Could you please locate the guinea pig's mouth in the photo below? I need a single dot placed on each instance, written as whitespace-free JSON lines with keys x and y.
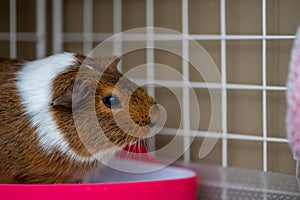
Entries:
{"x":139,"y":131}
{"x":131,"y":136}
{"x":139,"y":125}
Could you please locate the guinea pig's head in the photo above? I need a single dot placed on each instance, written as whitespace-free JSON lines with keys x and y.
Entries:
{"x":97,"y":108}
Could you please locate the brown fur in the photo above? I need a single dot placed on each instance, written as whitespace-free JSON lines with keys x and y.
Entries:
{"x":7,"y":69}
{"x":24,"y":161}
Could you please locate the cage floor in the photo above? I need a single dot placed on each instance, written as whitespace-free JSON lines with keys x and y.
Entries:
{"x":216,"y":182}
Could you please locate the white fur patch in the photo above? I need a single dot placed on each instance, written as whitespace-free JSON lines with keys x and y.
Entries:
{"x":34,"y":85}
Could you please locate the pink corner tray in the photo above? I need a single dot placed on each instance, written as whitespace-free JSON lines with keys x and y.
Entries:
{"x":166,"y":183}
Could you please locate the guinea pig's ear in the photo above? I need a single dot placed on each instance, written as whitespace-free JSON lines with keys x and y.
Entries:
{"x":70,"y":97}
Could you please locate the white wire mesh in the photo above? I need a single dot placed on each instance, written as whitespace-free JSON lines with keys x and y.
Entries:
{"x":88,"y":37}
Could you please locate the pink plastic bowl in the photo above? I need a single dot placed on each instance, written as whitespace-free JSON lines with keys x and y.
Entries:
{"x":167,"y":183}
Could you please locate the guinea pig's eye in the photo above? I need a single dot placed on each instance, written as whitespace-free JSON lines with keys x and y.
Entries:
{"x":111,"y":101}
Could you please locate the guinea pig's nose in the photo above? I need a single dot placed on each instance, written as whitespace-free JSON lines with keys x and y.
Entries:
{"x":154,"y":115}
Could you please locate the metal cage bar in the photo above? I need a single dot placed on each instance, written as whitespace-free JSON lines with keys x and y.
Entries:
{"x":87,"y":26}
{"x":224,"y":82}
{"x":41,"y":28}
{"x":13,"y":28}
{"x":185,"y":90}
{"x":264,"y":92}
{"x":57,"y":26}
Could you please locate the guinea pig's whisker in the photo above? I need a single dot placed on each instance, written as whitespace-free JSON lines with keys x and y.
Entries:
{"x":128,"y":155}
{"x":140,"y":150}
{"x":148,"y":144}
{"x":144,"y":143}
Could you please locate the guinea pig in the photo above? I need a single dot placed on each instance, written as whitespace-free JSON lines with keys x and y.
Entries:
{"x":48,"y":133}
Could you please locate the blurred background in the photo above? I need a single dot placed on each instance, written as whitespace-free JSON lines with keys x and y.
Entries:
{"x":249,"y":41}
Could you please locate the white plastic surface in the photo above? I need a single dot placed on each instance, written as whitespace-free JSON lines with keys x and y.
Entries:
{"x":154,"y":173}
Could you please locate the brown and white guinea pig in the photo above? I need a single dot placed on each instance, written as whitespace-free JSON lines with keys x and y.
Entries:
{"x":47,"y":132}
